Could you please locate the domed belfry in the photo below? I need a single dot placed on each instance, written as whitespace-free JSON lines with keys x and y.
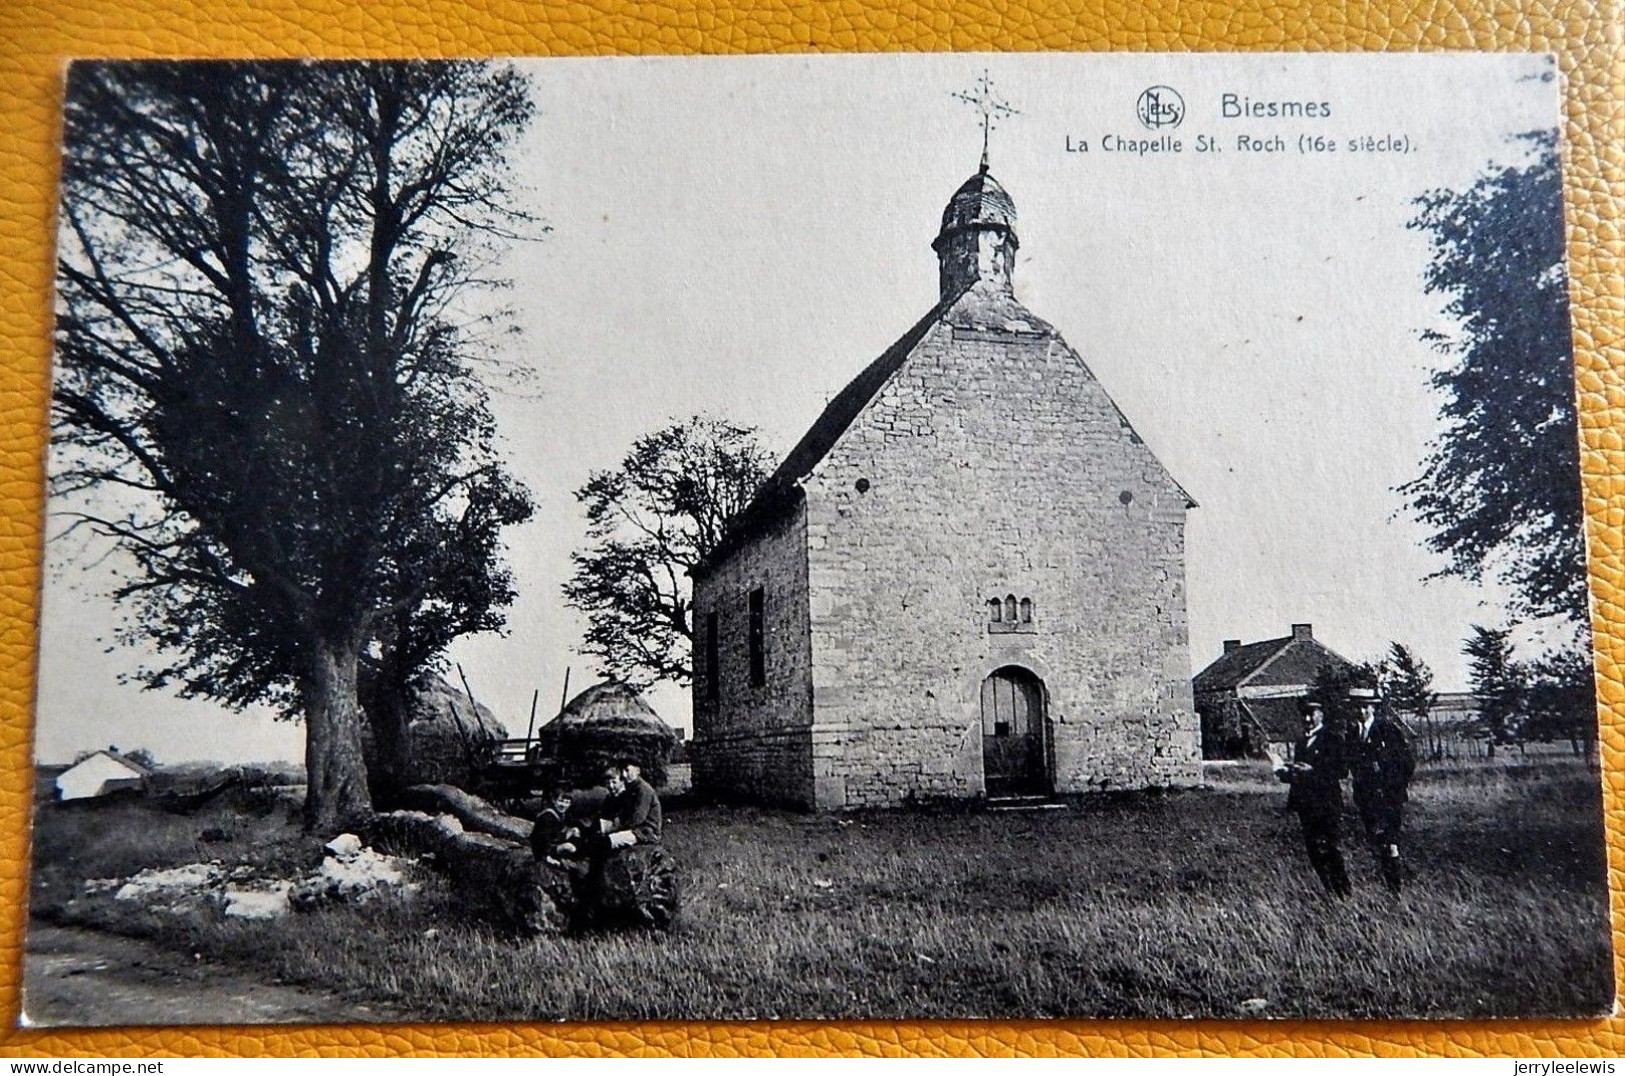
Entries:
{"x":978,"y":238}
{"x":967,"y":580}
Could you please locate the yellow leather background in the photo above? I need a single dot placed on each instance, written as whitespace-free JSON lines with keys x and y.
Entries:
{"x":37,"y":36}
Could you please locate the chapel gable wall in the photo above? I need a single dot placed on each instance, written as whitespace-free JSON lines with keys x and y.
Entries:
{"x":993,"y":464}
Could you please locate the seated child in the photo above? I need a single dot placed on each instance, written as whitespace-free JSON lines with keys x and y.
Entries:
{"x":555,"y":839}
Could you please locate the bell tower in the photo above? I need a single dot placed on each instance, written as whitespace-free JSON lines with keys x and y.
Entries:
{"x":978,"y":241}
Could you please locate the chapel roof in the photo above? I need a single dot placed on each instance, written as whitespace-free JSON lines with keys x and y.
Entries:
{"x":980,"y":201}
{"x":843,"y":410}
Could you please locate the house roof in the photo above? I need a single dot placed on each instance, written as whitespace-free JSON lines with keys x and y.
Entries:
{"x":1298,"y":663}
{"x":1290,"y":660}
{"x":1236,"y":665}
{"x":134,"y":767}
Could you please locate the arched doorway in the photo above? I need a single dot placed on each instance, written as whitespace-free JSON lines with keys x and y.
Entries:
{"x":1015,"y":748}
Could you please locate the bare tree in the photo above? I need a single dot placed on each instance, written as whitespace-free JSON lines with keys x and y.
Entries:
{"x":266,"y":397}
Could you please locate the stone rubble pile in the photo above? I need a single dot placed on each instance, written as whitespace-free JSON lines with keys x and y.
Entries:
{"x":351,"y":873}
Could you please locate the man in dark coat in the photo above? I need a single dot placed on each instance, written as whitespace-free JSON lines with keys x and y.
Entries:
{"x":1382,"y":762}
{"x":1316,"y":776}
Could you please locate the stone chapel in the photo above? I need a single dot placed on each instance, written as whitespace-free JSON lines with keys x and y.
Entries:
{"x":966,"y":580}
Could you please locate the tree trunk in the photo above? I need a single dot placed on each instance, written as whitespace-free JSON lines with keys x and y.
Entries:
{"x":387,"y":713}
{"x":473,"y":812}
{"x":337,"y":795}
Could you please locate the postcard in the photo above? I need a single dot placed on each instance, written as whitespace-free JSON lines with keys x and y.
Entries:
{"x":825,"y":537}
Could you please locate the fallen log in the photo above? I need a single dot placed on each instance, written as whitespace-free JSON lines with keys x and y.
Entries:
{"x":473,"y":812}
{"x":176,"y":802}
{"x":495,"y":879}
{"x":639,"y":887}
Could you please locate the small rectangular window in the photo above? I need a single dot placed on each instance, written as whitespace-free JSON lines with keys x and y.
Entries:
{"x":758,"y":638}
{"x":711,"y":658}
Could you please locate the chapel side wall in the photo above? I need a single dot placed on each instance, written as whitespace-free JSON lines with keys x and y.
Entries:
{"x":995,"y":465}
{"x":753,"y":742}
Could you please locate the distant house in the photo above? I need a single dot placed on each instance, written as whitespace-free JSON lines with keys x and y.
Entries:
{"x":99,"y":774}
{"x":1248,"y":699}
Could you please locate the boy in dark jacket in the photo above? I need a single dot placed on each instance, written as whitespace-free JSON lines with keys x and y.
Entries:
{"x":555,"y":838}
{"x":631,"y":814}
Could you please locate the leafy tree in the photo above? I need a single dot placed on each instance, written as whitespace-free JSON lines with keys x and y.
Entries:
{"x":1500,"y":487}
{"x":1561,"y":699}
{"x":1407,"y":686}
{"x":649,"y":522}
{"x":1498,"y":682}
{"x":266,"y":399}
{"x":1331,"y":688}
{"x":464,"y":588}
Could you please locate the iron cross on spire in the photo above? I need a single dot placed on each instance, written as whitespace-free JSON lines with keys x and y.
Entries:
{"x":987,"y":102}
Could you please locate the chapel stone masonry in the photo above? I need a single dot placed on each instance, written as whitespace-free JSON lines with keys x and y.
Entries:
{"x":966,"y":580}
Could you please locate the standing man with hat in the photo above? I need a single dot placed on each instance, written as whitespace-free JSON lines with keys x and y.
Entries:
{"x":1382,"y":763}
{"x":1316,"y":777}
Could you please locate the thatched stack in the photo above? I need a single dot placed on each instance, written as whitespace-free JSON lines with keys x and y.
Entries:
{"x":452,"y":736}
{"x":604,"y":722}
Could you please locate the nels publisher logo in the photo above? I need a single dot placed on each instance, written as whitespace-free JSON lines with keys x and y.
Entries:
{"x":1160,"y":107}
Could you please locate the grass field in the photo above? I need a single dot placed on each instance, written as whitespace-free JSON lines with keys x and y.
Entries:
{"x":1195,"y":903}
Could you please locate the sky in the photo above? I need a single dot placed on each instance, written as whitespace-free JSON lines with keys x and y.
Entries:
{"x":740,"y":236}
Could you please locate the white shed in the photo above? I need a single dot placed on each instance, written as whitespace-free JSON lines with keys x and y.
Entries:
{"x":97,"y":775}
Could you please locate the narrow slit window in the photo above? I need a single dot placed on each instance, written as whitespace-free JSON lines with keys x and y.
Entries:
{"x":758,"y":637}
{"x":712,"y":660}
{"x":1010,"y":615}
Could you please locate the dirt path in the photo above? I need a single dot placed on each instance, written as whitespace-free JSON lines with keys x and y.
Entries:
{"x":84,"y":978}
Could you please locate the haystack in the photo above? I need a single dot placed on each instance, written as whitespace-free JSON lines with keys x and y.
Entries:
{"x":451,"y":737}
{"x":603,"y":722}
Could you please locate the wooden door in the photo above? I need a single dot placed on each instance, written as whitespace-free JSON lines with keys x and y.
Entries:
{"x":1014,"y":751}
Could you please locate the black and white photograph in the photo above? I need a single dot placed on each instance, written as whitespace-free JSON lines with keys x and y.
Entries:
{"x":891,"y":537}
